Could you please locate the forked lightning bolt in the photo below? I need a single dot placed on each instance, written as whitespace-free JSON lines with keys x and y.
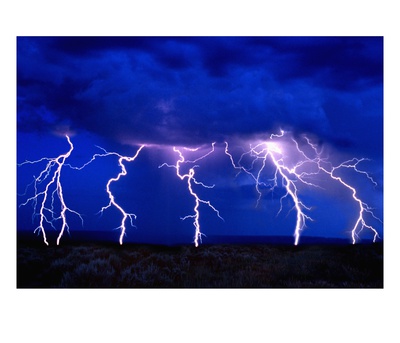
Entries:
{"x":330,"y":170}
{"x":190,"y":181}
{"x":52,"y":190}
{"x":288,"y":176}
{"x":112,"y":202}
{"x":305,"y":169}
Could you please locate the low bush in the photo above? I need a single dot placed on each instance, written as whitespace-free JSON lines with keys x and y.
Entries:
{"x":218,"y":266}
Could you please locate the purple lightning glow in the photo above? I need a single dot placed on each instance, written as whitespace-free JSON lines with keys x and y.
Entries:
{"x":306,"y":168}
{"x":272,"y":150}
{"x":190,"y":181}
{"x":52,"y":190}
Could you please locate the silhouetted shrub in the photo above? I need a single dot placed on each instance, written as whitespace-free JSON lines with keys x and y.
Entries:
{"x":218,"y":266}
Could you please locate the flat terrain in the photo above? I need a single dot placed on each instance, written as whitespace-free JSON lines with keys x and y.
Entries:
{"x":109,"y":265}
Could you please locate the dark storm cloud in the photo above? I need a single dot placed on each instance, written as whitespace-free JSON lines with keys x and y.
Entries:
{"x":174,"y":90}
{"x":344,"y":63}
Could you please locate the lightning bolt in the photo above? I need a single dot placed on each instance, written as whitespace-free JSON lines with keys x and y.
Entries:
{"x":271,"y":150}
{"x":191,"y":180}
{"x":52,"y":190}
{"x":331,"y":171}
{"x":112,"y":202}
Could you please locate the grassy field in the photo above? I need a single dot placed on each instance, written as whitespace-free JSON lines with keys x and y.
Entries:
{"x":102,"y":265}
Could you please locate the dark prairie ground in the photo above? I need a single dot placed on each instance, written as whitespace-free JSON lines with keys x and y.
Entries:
{"x":102,"y":265}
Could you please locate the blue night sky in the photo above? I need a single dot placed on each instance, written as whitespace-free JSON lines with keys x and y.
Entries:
{"x":118,"y":93}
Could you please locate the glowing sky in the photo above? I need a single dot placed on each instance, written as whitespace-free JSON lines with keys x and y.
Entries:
{"x":119,"y":92}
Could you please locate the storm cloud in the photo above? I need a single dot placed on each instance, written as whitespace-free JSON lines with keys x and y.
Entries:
{"x":192,"y":90}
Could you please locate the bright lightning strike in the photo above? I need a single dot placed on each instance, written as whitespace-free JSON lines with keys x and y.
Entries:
{"x":289,"y":176}
{"x":273,"y":152}
{"x":191,"y":180}
{"x":330,"y":170}
{"x":53,"y":190}
{"x":112,"y":201}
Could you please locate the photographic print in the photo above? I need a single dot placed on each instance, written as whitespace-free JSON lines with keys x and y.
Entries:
{"x":200,"y":162}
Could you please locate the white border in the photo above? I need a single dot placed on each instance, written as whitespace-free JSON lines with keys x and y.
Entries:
{"x":195,"y":315}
